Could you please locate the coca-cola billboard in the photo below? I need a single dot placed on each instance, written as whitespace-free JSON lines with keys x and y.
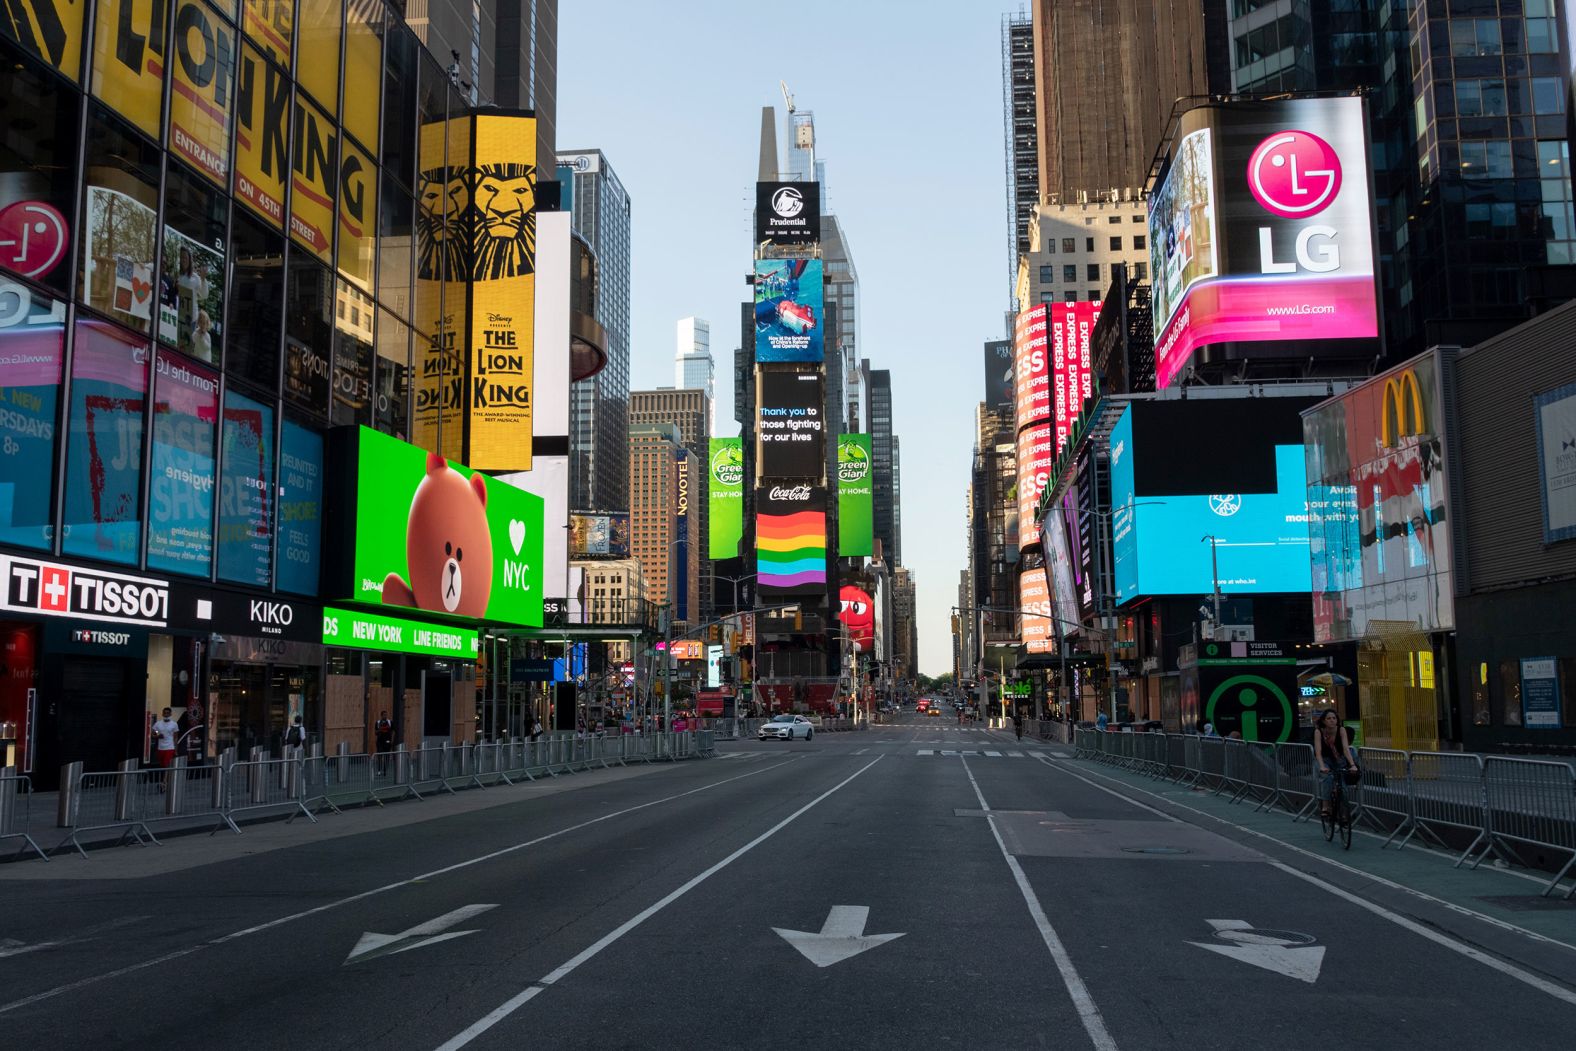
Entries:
{"x":790,"y":539}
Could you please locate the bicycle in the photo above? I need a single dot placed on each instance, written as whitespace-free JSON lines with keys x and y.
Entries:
{"x":1338,"y":818}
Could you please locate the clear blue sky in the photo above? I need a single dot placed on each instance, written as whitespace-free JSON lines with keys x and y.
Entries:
{"x":907,"y":103}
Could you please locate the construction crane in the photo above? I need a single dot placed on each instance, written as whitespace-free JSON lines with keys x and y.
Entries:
{"x":787,"y":95}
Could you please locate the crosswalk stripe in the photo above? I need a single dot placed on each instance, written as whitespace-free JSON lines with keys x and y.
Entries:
{"x":925,"y":751}
{"x":996,"y":754}
{"x":1016,"y":755}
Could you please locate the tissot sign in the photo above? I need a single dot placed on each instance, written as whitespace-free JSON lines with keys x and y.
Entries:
{"x":55,"y":590}
{"x":1261,"y":233}
{"x":787,"y":213}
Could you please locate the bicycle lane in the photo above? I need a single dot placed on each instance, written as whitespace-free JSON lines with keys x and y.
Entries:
{"x":904,"y":845}
{"x":1190,"y":938}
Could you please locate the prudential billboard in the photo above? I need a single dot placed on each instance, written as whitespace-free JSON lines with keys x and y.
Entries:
{"x":1262,"y":232}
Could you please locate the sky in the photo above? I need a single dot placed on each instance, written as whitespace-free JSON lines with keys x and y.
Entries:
{"x":908,"y":113}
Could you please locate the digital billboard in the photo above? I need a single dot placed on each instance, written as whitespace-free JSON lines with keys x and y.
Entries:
{"x":1037,"y":631}
{"x":998,"y":373}
{"x":1261,"y":232}
{"x":790,"y":435}
{"x":434,"y":535}
{"x":1376,"y":503}
{"x":790,"y":540}
{"x":787,"y":213}
{"x":855,"y":497}
{"x":1036,"y":459}
{"x":599,"y":534}
{"x":856,"y":612}
{"x":788,"y":310}
{"x":725,"y":498}
{"x":1239,"y":478}
{"x":1031,"y":366}
{"x":1071,"y":377}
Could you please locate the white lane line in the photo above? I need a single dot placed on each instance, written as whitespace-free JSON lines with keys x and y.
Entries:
{"x":530,"y":992}
{"x":861,"y":751}
{"x":80,"y":983}
{"x":994,"y":755}
{"x":1509,"y":969}
{"x":1083,"y":1002}
{"x":1460,"y":910}
{"x":926,"y":751}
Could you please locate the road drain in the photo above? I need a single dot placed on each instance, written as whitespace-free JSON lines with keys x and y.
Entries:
{"x":1156,"y":850}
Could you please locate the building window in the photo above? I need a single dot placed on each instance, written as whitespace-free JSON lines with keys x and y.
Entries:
{"x":1069,"y":272}
{"x":1093,"y":270}
{"x":1050,"y":246}
{"x":1141,"y":271}
{"x":1070,"y":296}
{"x":1069,"y":246}
{"x":1470,"y":37}
{"x":1116,"y":244}
{"x":1088,"y":244}
{"x":1542,"y":38}
{"x":1138,"y":242}
{"x":1113,"y":219}
{"x":1559,"y":224}
{"x":1116,"y":271}
{"x":1093,"y":295}
{"x":1485,"y":160}
{"x":1548,"y":95}
{"x":1481,"y":98}
{"x":1047,"y":274}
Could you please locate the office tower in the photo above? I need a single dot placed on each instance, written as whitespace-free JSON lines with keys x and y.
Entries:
{"x":599,"y":406}
{"x":693,"y":367}
{"x":905,"y":630}
{"x":1076,"y":247}
{"x":881,"y":450}
{"x":1471,"y":156}
{"x":1018,"y":120}
{"x":665,"y":533}
{"x":689,"y":412}
{"x":1106,"y":76}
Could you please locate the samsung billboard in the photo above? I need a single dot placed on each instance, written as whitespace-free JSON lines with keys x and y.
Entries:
{"x":1238,"y":478}
{"x":1261,"y":232}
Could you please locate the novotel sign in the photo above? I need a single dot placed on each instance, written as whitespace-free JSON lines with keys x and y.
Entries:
{"x":372,"y":631}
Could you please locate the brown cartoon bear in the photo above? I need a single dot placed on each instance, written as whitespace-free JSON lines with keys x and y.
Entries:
{"x":447,"y":545}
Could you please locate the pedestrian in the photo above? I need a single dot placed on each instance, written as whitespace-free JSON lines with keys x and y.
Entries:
{"x":1017,"y":722}
{"x":164,"y":731}
{"x":383,"y":731}
{"x":295,"y":737}
{"x":1209,"y":730}
{"x":1100,"y":722}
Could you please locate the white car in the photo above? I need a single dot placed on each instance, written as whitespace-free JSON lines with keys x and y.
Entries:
{"x":785,"y":728}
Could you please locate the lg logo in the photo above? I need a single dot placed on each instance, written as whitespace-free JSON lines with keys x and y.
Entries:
{"x":1294,"y":174}
{"x":787,"y":202}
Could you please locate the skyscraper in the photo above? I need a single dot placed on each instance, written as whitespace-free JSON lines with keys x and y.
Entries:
{"x":1471,"y":149}
{"x":1107,"y":75}
{"x":664,"y":541}
{"x":693,"y":367}
{"x":882,"y":453}
{"x":599,"y":407}
{"x":1018,"y":92}
{"x":689,"y":412}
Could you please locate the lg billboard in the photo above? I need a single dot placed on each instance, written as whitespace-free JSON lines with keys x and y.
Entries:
{"x":1261,"y":233}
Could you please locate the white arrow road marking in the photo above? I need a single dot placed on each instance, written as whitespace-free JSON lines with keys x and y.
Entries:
{"x":842,"y":936}
{"x":13,"y":947}
{"x":1271,"y":950}
{"x":430,"y":933}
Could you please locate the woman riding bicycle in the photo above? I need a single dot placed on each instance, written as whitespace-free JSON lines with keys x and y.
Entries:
{"x":1332,"y":754}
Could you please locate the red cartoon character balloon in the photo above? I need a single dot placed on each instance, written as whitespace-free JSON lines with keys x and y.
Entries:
{"x":859,"y":614}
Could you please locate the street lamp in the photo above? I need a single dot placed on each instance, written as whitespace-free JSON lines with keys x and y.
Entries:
{"x":1214,"y":573}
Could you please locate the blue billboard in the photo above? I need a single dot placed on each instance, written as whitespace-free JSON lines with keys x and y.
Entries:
{"x":1158,"y":545}
{"x":788,"y":310}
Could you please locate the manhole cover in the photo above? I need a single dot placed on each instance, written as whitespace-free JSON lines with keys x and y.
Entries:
{"x":1156,"y":850}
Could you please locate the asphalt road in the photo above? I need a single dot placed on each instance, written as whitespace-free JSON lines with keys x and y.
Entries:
{"x":1036,"y":903}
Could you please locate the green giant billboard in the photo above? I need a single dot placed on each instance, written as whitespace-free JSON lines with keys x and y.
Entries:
{"x":726,"y":498}
{"x":434,"y":535}
{"x":855,"y":496}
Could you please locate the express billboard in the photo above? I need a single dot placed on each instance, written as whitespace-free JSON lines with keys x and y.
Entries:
{"x":1036,"y":458}
{"x":1261,"y":232}
{"x":790,"y":434}
{"x":788,"y":310}
{"x":1031,"y":366}
{"x":1239,"y":478}
{"x":1071,"y":378}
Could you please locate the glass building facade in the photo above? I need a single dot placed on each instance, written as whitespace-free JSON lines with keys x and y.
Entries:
{"x":225,"y":228}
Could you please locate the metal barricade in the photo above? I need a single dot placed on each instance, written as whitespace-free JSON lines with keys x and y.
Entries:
{"x":1296,"y":785}
{"x":1176,"y":757}
{"x":16,"y":801}
{"x":107,"y":800}
{"x":1385,"y":792}
{"x":1533,"y":804}
{"x":1233,"y":767}
{"x":429,"y":770}
{"x":268,"y":784}
{"x":1083,"y":747}
{"x":1192,"y":760}
{"x":1258,"y":772}
{"x":1212,"y":762}
{"x":1447,"y":798}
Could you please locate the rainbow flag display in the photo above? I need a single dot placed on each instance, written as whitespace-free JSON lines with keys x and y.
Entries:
{"x":791,"y":549}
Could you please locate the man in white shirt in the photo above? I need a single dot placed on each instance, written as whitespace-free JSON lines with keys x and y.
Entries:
{"x":165,"y":730}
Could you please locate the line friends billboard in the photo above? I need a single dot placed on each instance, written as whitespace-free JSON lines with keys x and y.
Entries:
{"x":1262,"y":231}
{"x":788,"y":310}
{"x":434,"y":535}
